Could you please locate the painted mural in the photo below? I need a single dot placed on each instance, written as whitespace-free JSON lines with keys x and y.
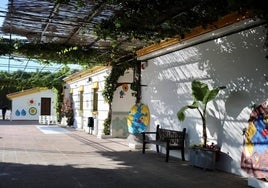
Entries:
{"x":138,"y":118}
{"x":31,"y":110}
{"x":254,"y":159}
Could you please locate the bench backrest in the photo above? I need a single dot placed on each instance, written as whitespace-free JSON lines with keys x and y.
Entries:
{"x":175,"y":137}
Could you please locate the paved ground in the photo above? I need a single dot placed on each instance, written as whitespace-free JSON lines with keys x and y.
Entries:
{"x":35,"y":156}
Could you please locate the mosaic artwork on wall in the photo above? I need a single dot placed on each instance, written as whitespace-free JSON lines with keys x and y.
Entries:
{"x":254,"y":159}
{"x":138,"y":118}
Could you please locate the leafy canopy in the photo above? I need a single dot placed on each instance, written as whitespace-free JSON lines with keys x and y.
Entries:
{"x":143,"y":20}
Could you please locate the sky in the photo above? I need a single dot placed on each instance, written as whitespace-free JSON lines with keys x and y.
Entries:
{"x":3,"y":7}
{"x":17,"y":63}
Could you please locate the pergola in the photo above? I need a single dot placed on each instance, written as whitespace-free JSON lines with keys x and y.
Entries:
{"x":46,"y":22}
{"x":72,"y":24}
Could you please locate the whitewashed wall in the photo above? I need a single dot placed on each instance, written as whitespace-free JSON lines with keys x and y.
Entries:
{"x":123,"y":100}
{"x":22,"y":104}
{"x":81,"y":119}
{"x":236,"y":61}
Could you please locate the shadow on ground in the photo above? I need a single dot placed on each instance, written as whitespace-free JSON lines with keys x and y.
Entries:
{"x":132,"y":169}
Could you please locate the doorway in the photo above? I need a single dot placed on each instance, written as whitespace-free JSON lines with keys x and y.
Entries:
{"x":45,"y":106}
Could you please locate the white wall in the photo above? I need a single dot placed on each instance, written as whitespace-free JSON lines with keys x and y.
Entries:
{"x":22,"y":104}
{"x":123,"y":100}
{"x":120,"y":106}
{"x":127,"y":100}
{"x":81,"y":118}
{"x":236,"y":61}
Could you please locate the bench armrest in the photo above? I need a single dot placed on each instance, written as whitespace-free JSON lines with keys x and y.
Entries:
{"x":145,"y":133}
{"x":148,"y":133}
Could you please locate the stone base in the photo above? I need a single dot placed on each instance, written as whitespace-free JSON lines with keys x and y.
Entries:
{"x":135,"y":141}
{"x":203,"y":158}
{"x":253,"y":182}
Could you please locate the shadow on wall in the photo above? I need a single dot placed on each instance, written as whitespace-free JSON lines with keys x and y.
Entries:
{"x":163,"y":98}
{"x":236,"y":102}
{"x":239,"y":62}
{"x":215,"y":129}
{"x":236,"y":61}
{"x":226,"y":166}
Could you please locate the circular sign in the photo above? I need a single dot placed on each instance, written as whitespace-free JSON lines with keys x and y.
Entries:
{"x":32,"y":111}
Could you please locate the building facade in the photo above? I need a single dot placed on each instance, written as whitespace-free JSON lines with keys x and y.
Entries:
{"x":32,"y":103}
{"x":83,"y":91}
{"x":233,"y":56}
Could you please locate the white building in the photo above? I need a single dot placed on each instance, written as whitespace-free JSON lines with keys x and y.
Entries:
{"x":31,"y":103}
{"x":84,"y":91}
{"x":232,"y":55}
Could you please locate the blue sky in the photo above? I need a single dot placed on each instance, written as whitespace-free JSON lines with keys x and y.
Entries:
{"x":10,"y":65}
{"x":3,"y":7}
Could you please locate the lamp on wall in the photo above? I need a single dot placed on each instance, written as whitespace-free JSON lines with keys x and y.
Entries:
{"x":89,"y":79}
{"x":144,"y":65}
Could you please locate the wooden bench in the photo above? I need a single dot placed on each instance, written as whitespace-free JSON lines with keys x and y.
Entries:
{"x":170,"y":139}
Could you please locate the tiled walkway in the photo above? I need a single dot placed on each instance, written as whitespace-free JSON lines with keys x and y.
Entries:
{"x":35,"y":157}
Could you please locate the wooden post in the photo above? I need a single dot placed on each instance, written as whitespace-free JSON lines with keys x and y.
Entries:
{"x":137,"y":81}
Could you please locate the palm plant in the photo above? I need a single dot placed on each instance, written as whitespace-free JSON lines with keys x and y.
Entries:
{"x":201,"y":96}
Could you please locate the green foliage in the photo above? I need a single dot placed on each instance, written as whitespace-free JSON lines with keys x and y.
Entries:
{"x":106,"y":124}
{"x":156,"y":20}
{"x":201,"y":95}
{"x":144,"y":20}
{"x":58,"y":53}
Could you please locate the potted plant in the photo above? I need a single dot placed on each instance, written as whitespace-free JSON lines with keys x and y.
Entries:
{"x":201,"y":96}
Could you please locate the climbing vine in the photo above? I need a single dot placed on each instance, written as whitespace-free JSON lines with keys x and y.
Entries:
{"x":111,"y":80}
{"x":110,"y":87}
{"x":136,"y":21}
{"x":59,"y":53}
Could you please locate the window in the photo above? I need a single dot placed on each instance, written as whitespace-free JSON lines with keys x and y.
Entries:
{"x":81,"y":100}
{"x":81,"y":97}
{"x":95,"y":99}
{"x":95,"y":87}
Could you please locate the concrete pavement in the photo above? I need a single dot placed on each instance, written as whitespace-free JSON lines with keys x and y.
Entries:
{"x":36,"y":156}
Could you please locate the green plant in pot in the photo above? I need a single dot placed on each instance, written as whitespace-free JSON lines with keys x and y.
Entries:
{"x":201,"y":96}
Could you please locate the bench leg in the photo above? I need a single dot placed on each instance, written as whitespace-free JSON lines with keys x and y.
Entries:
{"x":182,"y":154}
{"x":167,"y":154}
{"x":167,"y":151}
{"x":143,"y":147}
{"x":157,"y":148}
